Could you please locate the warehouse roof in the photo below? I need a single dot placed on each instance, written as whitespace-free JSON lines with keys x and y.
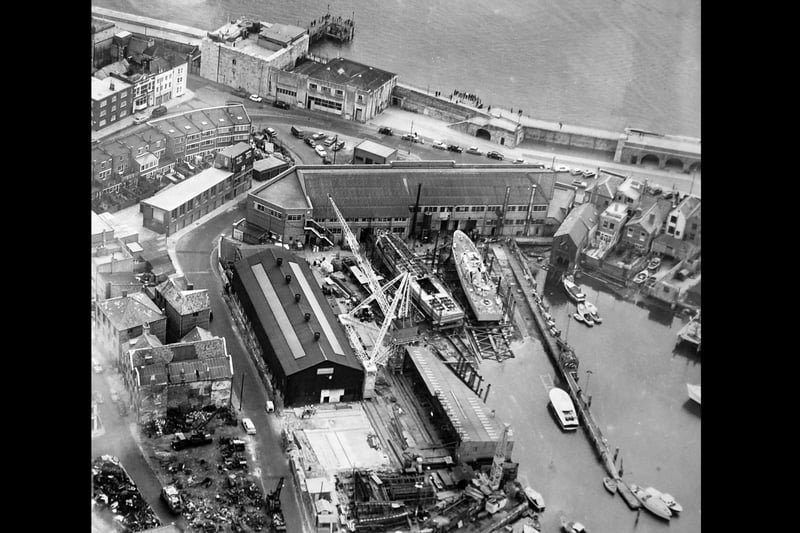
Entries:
{"x":283,"y":318}
{"x":375,"y":148}
{"x":468,"y":414}
{"x":179,"y":194}
{"x":346,"y":72}
{"x":389,"y":190}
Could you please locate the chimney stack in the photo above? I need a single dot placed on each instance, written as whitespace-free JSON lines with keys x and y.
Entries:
{"x":124,"y":294}
{"x":288,"y":278}
{"x":280,"y":260}
{"x":297,"y":297}
{"x":308,"y":317}
{"x":190,"y":286}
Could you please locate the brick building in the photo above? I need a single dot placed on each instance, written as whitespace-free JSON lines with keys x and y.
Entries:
{"x":185,"y":306}
{"x":571,"y":238}
{"x":372,"y":153}
{"x":112,"y":100}
{"x":117,"y":320}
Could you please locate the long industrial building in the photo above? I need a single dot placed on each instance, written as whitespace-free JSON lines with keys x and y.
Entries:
{"x":479,"y":199}
{"x":302,"y":344}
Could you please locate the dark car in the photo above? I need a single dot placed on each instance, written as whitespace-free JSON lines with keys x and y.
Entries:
{"x":454,"y":148}
{"x":494,"y":155}
{"x":385,"y":131}
{"x":157,"y":112}
{"x":337,"y":146}
{"x":327,"y":160}
{"x":297,"y":133}
{"x":311,"y":142}
{"x":280,"y":105}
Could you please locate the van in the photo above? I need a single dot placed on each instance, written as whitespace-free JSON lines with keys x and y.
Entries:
{"x":271,"y":132}
{"x":270,"y":406}
{"x":297,"y":133}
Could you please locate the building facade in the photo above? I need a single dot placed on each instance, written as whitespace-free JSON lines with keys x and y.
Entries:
{"x":111,"y":101}
{"x":372,"y":153}
{"x":572,"y":237}
{"x":186,"y":307}
{"x":118,"y":320}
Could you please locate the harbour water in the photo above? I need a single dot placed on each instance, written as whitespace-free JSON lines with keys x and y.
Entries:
{"x":601,"y":63}
{"x":638,"y":388}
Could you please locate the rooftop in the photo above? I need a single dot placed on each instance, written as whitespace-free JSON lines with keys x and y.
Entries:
{"x":375,"y":148}
{"x":616,"y":210}
{"x":470,"y":416}
{"x":179,"y":194}
{"x":184,"y":300}
{"x":558,"y":208}
{"x":282,"y":34}
{"x":237,"y":149}
{"x":268,"y":163}
{"x":283,"y":319}
{"x":578,"y":223}
{"x":389,"y":189}
{"x":182,"y":362}
{"x":129,"y":311}
{"x":99,"y":225}
{"x":104,"y":88}
{"x":346,"y":72}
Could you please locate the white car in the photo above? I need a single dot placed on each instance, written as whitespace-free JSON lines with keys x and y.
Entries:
{"x":439,"y":145}
{"x":139,"y":119}
{"x":562,"y":168}
{"x":256,"y":98}
{"x":320,"y":150}
{"x":97,"y":367}
{"x":576,"y":171}
{"x":248,"y":426}
{"x":518,"y":161}
{"x":114,"y":396}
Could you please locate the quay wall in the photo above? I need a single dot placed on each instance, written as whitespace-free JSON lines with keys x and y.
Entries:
{"x":418,"y":101}
{"x":150,"y":26}
{"x":551,"y":136}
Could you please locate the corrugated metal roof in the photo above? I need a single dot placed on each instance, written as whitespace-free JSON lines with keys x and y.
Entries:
{"x":179,"y":194}
{"x":375,"y":148}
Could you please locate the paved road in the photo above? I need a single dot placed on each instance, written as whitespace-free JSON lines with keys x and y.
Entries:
{"x":195,"y":252}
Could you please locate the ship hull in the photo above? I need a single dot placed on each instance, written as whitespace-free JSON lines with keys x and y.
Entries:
{"x":482,"y":297}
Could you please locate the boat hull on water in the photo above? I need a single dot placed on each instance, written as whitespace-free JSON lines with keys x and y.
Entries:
{"x":592,"y":310}
{"x":481,"y":293}
{"x":572,"y":527}
{"x":610,"y":484}
{"x":536,"y":500}
{"x":652,"y":503}
{"x":694,"y":392}
{"x":573,"y":290}
{"x":562,"y":407}
{"x":668,"y":499}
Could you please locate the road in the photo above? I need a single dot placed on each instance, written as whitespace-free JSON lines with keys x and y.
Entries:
{"x":195,"y":252}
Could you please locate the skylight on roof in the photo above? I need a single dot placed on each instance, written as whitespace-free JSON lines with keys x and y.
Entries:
{"x":204,"y":123}
{"x":340,"y":71}
{"x":188,"y":127}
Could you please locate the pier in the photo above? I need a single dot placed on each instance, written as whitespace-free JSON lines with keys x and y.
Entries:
{"x":336,"y":28}
{"x":566,"y":363}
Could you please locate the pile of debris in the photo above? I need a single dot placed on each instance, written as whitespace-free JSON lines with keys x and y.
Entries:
{"x":115,"y":490}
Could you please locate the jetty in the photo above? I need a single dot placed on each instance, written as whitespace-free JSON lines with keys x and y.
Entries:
{"x":566,"y":363}
{"x":331,"y":27}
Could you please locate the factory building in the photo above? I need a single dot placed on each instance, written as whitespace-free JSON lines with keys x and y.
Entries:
{"x":306,"y":352}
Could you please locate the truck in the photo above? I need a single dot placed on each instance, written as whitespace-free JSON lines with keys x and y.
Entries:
{"x":172,"y":498}
{"x":196,"y":438}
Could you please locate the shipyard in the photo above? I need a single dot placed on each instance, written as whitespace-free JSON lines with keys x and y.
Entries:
{"x":308,"y":316}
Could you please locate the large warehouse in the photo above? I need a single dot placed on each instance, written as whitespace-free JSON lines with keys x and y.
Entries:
{"x":303,"y":345}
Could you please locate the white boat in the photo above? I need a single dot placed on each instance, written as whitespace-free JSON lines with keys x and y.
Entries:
{"x":653,"y":504}
{"x":592,"y":309}
{"x":654,"y":263}
{"x":694,"y":392}
{"x":536,"y":500}
{"x":573,"y":290}
{"x":572,"y":527}
{"x":562,"y":406}
{"x":673,"y":505}
{"x":475,"y":280}
{"x":581,"y":318}
{"x":583,"y":310}
{"x":640,"y":278}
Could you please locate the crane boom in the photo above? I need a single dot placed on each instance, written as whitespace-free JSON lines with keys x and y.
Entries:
{"x":387,"y":320}
{"x":364,"y":265}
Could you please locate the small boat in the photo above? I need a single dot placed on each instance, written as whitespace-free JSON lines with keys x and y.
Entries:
{"x":573,"y":290}
{"x":694,"y":392}
{"x":586,"y":314}
{"x":572,"y":527}
{"x":610,"y":484}
{"x":562,"y":406}
{"x":581,"y":318}
{"x":555,"y":332}
{"x":640,"y":278}
{"x":668,"y":499}
{"x":654,"y":263}
{"x":536,"y":500}
{"x":592,"y":309}
{"x":653,"y":504}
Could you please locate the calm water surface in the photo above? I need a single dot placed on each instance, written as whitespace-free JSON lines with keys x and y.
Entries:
{"x":602,"y":63}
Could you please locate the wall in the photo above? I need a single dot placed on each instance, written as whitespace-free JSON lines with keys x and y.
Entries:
{"x":425,"y":104}
{"x":540,"y":135}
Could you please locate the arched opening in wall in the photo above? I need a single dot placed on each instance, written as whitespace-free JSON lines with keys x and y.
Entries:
{"x":694,"y":167}
{"x":649,"y":160}
{"x":483,"y":134}
{"x":674,"y":164}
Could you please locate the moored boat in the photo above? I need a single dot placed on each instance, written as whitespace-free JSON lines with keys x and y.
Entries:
{"x":653,"y":504}
{"x":475,"y":280}
{"x":562,"y":406}
{"x":573,"y":290}
{"x":572,"y":527}
{"x":640,"y":278}
{"x":610,"y":484}
{"x":668,"y":499}
{"x":536,"y":500}
{"x":592,"y":309}
{"x":654,"y":263}
{"x":584,"y":312}
{"x":581,"y":318}
{"x":694,"y":392}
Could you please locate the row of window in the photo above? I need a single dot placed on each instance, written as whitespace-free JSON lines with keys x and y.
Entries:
{"x":267,"y":210}
{"x":338,"y":92}
{"x":287,"y":92}
{"x":326,"y":103}
{"x":204,"y":196}
{"x":479,"y":208}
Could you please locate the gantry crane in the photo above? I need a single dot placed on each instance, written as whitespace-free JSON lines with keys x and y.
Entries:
{"x":496,"y":473}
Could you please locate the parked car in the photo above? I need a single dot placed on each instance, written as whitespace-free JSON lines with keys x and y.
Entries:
{"x":329,"y":140}
{"x":385,"y":131}
{"x":318,"y":136}
{"x":325,"y":161}
{"x":172,"y":498}
{"x":311,"y":142}
{"x":588,"y":173}
{"x":337,"y":146}
{"x":248,"y":426}
{"x":576,"y":171}
{"x":493,"y":154}
{"x":157,"y":112}
{"x":474,"y":150}
{"x":562,"y":168}
{"x":240,"y":92}
{"x":439,"y":145}
{"x":280,"y":105}
{"x":97,"y":367}
{"x":298,"y":133}
{"x":579,"y":183}
{"x":518,"y":161}
{"x":139,"y":118}
{"x":255,"y":98}
{"x":270,"y":132}
{"x":454,"y":148}
{"x":408,"y":137}
{"x":320,"y":150}
{"x":270,"y":406}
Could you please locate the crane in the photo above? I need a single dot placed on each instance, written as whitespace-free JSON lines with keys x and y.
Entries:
{"x":496,"y":473}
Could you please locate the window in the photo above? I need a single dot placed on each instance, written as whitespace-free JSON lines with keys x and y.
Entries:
{"x":673,"y":219}
{"x":312,"y":86}
{"x":175,"y":212}
{"x":103,"y":103}
{"x":691,"y":236}
{"x":611,"y":225}
{"x":287,"y":92}
{"x":630,"y":232}
{"x":360,"y":98}
{"x":103,"y":113}
{"x":294,"y":217}
{"x":195,"y":313}
{"x":694,"y":225}
{"x":539,"y":208}
{"x":114,"y":98}
{"x":233,"y":61}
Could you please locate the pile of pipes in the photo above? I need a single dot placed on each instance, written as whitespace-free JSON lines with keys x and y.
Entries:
{"x":115,"y":490}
